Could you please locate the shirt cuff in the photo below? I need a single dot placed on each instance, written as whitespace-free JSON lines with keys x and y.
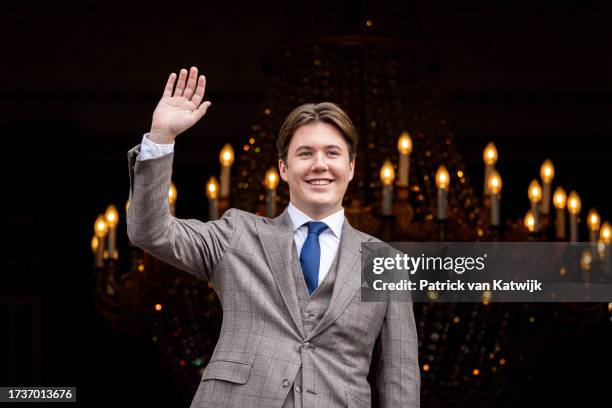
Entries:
{"x":152,"y":150}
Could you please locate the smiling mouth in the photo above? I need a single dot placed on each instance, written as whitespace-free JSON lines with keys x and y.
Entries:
{"x":319,"y":182}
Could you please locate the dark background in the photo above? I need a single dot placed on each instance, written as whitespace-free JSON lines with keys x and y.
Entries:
{"x":79,"y":84}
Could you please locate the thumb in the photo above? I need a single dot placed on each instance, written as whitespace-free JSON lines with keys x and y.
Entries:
{"x":198,"y":113}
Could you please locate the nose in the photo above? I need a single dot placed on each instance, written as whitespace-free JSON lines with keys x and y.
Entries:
{"x":320,"y":162}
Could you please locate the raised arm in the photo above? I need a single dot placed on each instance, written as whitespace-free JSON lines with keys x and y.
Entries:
{"x":190,"y":245}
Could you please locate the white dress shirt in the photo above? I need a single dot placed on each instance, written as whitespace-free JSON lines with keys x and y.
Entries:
{"x":329,"y":239}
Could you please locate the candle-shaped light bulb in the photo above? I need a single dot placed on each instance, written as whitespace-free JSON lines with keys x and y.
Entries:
{"x":271,"y":180}
{"x":494,"y":182}
{"x":529,"y":221}
{"x":212,"y":192}
{"x":605,"y":233}
{"x":100,"y":232}
{"x":442,"y":177}
{"x":574,"y":205}
{"x":387,"y":175}
{"x":559,"y":198}
{"x":442,"y":182}
{"x":535,"y":191}
{"x":547,"y":172}
{"x":593,"y":222}
{"x":95,"y":241}
{"x":404,"y":146}
{"x":172,"y":196}
{"x":495,"y":185}
{"x":212,"y":188}
{"x":559,"y":201}
{"x":226,"y":158}
{"x":404,"y":143}
{"x":111,"y":216}
{"x":535,"y":196}
{"x":100,"y":226}
{"x":489,"y":156}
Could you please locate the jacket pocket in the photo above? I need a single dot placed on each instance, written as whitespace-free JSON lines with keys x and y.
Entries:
{"x":354,"y":401}
{"x":236,"y":372}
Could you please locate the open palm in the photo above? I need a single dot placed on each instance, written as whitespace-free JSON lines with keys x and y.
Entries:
{"x":179,"y":110}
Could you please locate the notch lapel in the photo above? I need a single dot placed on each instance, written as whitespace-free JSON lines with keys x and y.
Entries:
{"x":276,"y":236}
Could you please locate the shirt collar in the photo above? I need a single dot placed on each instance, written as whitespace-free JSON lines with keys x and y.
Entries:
{"x":333,"y":221}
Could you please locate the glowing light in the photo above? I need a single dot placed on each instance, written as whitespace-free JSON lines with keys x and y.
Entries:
{"x":387,"y":173}
{"x":489,"y":155}
{"x":547,"y":171}
{"x":535,"y":191}
{"x":559,"y":198}
{"x":404,"y":143}
{"x":573,"y":203}
{"x":593,"y":220}
{"x":494,"y":182}
{"x":271,"y":178}
{"x":212,"y":188}
{"x":605,"y":234}
{"x":442,"y":177}
{"x":226,"y":157}
{"x":172,"y":194}
{"x":529,"y":221}
{"x":111,"y":216}
{"x":100,"y":226}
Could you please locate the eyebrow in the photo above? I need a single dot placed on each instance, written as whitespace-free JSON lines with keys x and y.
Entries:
{"x":309,"y":147}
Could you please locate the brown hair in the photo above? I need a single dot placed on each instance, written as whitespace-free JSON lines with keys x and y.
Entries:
{"x":327,"y":112}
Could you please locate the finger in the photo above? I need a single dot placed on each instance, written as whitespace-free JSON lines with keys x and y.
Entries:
{"x":169,"y":85}
{"x":180,"y":86}
{"x":199,"y":92}
{"x":191,"y":82}
{"x":201,"y":111}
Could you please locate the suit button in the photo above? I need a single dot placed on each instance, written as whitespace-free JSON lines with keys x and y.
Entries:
{"x":285,"y":383}
{"x":306,"y":315}
{"x":306,"y":345}
{"x":298,"y":389}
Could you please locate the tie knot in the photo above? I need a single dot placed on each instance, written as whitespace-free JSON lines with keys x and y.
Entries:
{"x":316,"y":227}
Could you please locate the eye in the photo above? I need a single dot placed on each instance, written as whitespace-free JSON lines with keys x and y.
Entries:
{"x":333,"y":152}
{"x":304,"y":153}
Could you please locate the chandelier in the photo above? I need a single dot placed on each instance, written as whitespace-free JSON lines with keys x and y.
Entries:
{"x":410,"y":184}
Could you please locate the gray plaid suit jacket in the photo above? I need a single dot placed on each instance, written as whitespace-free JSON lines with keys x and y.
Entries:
{"x":262,"y":343}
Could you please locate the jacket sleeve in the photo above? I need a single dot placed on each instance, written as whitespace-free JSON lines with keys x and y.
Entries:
{"x":396,"y":370}
{"x":192,"y":245}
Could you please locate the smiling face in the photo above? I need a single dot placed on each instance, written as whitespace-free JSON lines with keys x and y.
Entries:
{"x":318,"y":169}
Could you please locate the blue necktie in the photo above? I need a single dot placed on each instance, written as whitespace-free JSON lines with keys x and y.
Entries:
{"x":310,"y":256}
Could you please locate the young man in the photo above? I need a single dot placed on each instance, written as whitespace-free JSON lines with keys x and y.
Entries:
{"x":294,"y":333}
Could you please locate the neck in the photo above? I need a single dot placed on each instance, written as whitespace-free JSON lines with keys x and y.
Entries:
{"x":317,"y":213}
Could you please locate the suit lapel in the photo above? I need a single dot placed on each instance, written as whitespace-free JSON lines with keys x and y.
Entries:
{"x":348,"y":278}
{"x":276,"y":236}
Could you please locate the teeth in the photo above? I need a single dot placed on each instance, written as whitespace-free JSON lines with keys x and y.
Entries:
{"x":319,"y":182}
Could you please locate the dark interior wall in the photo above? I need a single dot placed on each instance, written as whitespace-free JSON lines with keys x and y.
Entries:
{"x":80,"y":81}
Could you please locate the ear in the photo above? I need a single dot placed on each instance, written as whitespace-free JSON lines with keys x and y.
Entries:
{"x":282,"y":169}
{"x":351,"y":169}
